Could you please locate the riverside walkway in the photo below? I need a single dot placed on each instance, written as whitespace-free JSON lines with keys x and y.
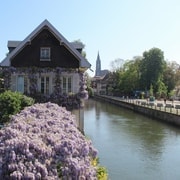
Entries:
{"x":168,"y":112}
{"x":168,"y":106}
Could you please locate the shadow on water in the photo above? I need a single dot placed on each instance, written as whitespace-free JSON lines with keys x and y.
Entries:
{"x":131,"y":145}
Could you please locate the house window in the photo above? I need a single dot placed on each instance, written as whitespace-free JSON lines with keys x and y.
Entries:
{"x":67,"y":84}
{"x":20,"y":84}
{"x":45,"y":85}
{"x":45,"y":54}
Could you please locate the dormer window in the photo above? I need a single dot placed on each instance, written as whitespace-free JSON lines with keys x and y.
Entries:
{"x":45,"y":54}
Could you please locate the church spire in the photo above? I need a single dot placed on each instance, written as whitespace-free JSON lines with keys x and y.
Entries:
{"x":98,"y":65}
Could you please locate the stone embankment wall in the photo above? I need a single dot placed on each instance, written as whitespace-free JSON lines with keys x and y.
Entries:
{"x":164,"y":116}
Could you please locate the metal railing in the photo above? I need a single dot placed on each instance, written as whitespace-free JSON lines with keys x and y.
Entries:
{"x":171,"y":107}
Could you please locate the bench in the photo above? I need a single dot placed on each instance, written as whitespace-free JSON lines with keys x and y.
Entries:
{"x":143,"y":103}
{"x":177,"y":106}
{"x":151,"y":104}
{"x":160,"y":104}
{"x":169,"y":106}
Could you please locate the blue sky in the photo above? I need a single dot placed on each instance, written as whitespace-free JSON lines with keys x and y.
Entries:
{"x":117,"y":28}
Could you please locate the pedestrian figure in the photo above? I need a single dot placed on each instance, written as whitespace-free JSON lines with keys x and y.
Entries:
{"x":164,"y":100}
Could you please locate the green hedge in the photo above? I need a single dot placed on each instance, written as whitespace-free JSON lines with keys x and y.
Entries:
{"x":11,"y":103}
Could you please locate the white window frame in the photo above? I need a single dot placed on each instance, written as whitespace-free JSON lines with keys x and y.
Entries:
{"x":20,"y":83}
{"x":67,"y":84}
{"x":45,"y":54}
{"x":45,"y":86}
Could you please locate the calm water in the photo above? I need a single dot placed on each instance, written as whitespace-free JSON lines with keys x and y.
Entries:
{"x":131,"y":146}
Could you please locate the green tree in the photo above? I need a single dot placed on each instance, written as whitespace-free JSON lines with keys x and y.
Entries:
{"x":162,"y":89}
{"x":117,"y":64}
{"x":151,"y":90}
{"x":152,"y":67}
{"x":169,"y":76}
{"x":114,"y":81}
{"x":125,"y":76}
{"x":130,"y":76}
{"x":177,"y":76}
{"x":88,"y":84}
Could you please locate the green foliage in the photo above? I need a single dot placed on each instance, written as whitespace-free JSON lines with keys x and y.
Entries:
{"x":102,"y":173}
{"x":170,"y":76}
{"x":130,"y":76}
{"x":152,"y":68}
{"x":59,"y":169}
{"x":126,"y":78}
{"x":151,"y":90}
{"x":26,"y":101}
{"x":117,"y":64}
{"x":149,"y":72}
{"x":11,"y":103}
{"x":88,"y":84}
{"x":171,"y":94}
{"x":90,"y":91}
{"x":161,"y":89}
{"x":151,"y":98}
{"x":142,"y":95}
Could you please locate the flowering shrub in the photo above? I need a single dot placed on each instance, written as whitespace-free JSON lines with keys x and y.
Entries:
{"x":43,"y":142}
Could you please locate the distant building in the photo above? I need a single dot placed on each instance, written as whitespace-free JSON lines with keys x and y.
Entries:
{"x":98,"y":66}
{"x":98,"y":82}
{"x":100,"y":72}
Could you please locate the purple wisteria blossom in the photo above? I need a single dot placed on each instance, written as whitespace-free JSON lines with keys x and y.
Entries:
{"x":43,"y":142}
{"x":83,"y":93}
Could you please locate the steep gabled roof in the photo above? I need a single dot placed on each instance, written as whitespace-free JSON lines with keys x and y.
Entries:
{"x":83,"y":62}
{"x":14,"y":44}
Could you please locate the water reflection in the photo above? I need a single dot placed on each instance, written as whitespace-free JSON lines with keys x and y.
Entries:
{"x":130,"y":145}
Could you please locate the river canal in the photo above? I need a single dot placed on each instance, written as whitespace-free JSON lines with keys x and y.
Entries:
{"x":132,"y":146}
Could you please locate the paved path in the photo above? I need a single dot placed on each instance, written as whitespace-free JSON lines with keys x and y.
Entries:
{"x":168,"y":106}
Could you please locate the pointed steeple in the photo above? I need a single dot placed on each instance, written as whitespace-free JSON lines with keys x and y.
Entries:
{"x":98,"y":65}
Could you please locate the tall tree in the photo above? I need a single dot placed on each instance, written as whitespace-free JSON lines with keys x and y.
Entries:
{"x":169,"y":75}
{"x":175,"y":82}
{"x":130,"y":76}
{"x":152,"y":67}
{"x":117,"y":64}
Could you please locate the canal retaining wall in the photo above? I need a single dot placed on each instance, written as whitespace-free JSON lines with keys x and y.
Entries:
{"x":164,"y":116}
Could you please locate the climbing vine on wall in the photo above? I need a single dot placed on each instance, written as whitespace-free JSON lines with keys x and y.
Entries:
{"x":67,"y":100}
